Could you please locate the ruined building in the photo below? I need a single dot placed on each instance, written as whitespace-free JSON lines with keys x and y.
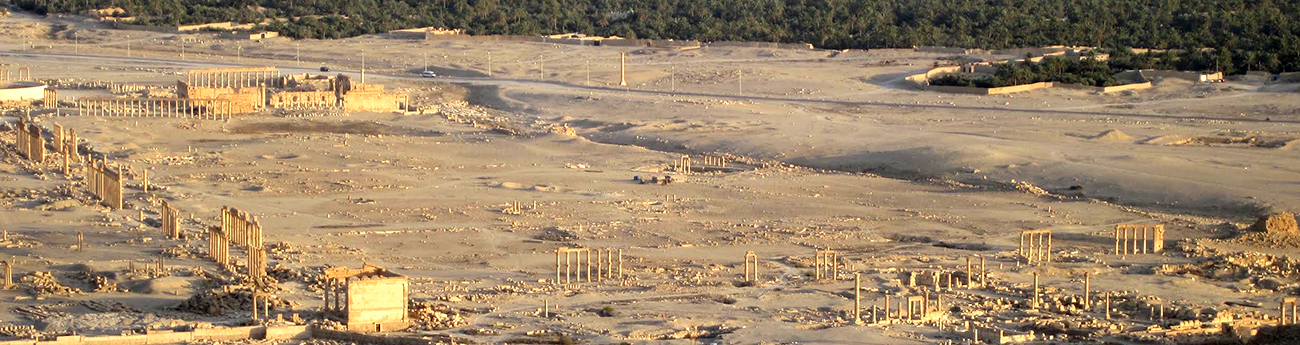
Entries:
{"x":252,"y":89}
{"x":369,"y":299}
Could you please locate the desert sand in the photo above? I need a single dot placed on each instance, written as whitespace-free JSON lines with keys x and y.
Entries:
{"x":825,"y":150}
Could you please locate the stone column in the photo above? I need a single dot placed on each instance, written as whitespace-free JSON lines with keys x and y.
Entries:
{"x":886,"y":306}
{"x":857,"y":298}
{"x":1087,"y":291}
{"x":1047,"y":257}
{"x":1034,"y":300}
{"x":984,"y":273}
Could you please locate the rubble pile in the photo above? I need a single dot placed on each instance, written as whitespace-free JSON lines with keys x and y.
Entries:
{"x":99,"y":282}
{"x":42,"y":283}
{"x":1277,"y":223}
{"x":1234,"y":266}
{"x":18,"y":331}
{"x":435,"y":316}
{"x":180,"y":252}
{"x":284,"y":273}
{"x":220,"y":302}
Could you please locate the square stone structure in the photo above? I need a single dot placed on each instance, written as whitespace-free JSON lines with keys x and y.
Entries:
{"x":373,"y":299}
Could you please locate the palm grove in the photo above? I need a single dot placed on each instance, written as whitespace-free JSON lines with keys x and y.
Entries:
{"x":1242,"y":35}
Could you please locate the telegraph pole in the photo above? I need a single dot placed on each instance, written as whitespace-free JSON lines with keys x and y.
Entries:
{"x":489,"y":64}
{"x":128,"y":45}
{"x":741,"y":83}
{"x":297,"y":54}
{"x":426,"y":61}
{"x":672,"y":80}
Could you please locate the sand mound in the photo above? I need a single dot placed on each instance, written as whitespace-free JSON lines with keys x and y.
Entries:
{"x":168,"y":285}
{"x":1112,"y":135}
{"x":520,"y":186}
{"x":1172,"y":139}
{"x":1282,"y":222}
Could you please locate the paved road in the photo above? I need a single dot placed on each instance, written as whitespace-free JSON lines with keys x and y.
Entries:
{"x":559,"y":86}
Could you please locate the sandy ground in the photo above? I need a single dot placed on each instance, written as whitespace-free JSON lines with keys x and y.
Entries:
{"x":833,"y":150}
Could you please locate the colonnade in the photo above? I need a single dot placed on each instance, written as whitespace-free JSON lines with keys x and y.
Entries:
{"x":214,"y":109}
{"x":233,"y":77}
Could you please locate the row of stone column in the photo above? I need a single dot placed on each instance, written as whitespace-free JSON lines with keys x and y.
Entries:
{"x":909,"y":308}
{"x":335,"y":293}
{"x":219,"y":247}
{"x":51,"y":99}
{"x":171,"y":221}
{"x":572,"y":266}
{"x":1036,"y":246}
{"x":30,"y":143}
{"x":243,"y":228}
{"x":65,"y":143}
{"x":232,"y":79}
{"x":24,"y":74}
{"x":214,"y":109}
{"x":826,"y":265}
{"x":1139,"y":239}
{"x":264,"y":301}
{"x":105,"y":182}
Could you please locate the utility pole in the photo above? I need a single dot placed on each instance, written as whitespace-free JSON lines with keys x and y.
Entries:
{"x":182,"y":49}
{"x":76,"y":42}
{"x":128,"y":45}
{"x":297,"y":54}
{"x":672,"y":81}
{"x":489,"y":64}
{"x":426,"y":61}
{"x":541,"y":64}
{"x":741,"y":83}
{"x":588,"y":72}
{"x":622,"y":69}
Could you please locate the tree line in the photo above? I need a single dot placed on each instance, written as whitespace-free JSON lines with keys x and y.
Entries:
{"x":1256,"y":35}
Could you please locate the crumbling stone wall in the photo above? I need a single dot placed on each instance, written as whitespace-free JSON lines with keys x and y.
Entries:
{"x":379,"y":101}
{"x":242,"y":99}
{"x":303,"y":100}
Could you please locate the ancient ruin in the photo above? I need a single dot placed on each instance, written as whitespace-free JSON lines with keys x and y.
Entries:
{"x":367,"y":299}
{"x":751,"y":267}
{"x":171,"y":221}
{"x":1035,"y":246}
{"x":197,"y":108}
{"x":30,"y":143}
{"x":104,"y":182}
{"x":826,"y":265}
{"x":1139,"y":239}
{"x":152,"y":199}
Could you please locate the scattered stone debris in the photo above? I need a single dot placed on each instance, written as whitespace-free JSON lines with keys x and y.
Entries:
{"x":18,"y":331}
{"x":225,"y":301}
{"x":40,"y":284}
{"x":427,"y":315}
{"x":1281,"y":222}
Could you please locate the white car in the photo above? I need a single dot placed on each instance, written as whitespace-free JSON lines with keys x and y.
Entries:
{"x":428,"y":74}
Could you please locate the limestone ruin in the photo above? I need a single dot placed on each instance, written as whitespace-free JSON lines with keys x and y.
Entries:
{"x":1035,"y":246}
{"x":1139,"y":239}
{"x":367,"y":299}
